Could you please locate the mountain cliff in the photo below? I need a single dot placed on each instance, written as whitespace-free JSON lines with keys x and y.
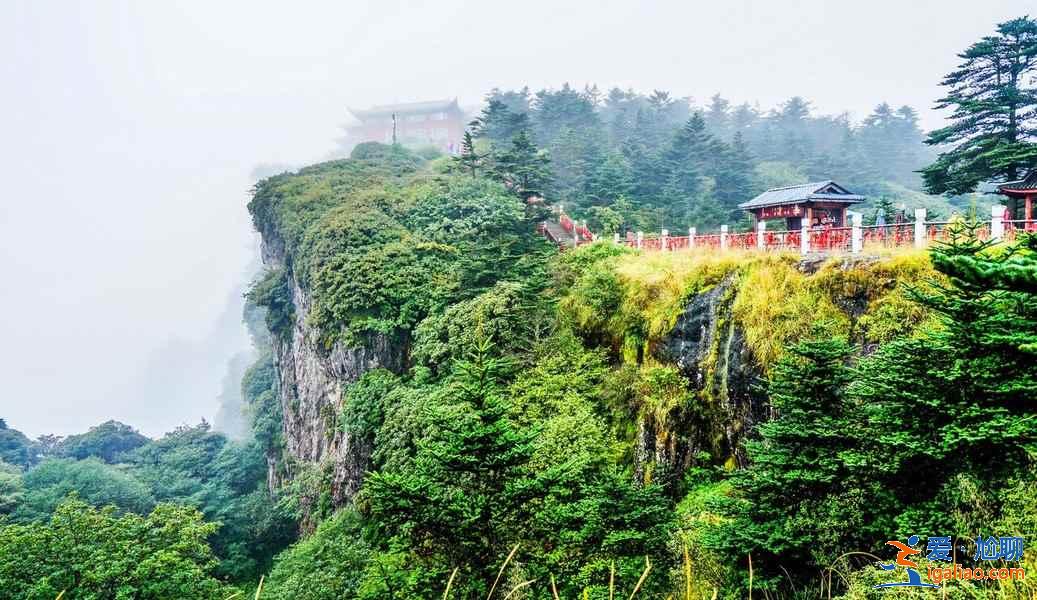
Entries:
{"x":385,"y":263}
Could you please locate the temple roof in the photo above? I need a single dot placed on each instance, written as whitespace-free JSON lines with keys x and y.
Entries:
{"x":1025,"y":184}
{"x":826,"y":191}
{"x":407,"y":108}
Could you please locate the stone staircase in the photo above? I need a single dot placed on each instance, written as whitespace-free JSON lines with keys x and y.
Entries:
{"x":554,"y":232}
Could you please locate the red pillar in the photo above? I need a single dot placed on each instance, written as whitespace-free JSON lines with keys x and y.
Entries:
{"x":1029,"y":208}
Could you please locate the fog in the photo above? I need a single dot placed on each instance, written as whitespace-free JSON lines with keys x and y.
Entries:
{"x":130,"y":130}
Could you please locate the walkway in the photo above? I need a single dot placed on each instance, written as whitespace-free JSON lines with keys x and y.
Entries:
{"x":919,"y":234}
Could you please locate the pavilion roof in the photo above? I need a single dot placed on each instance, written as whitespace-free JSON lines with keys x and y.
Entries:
{"x":1026,"y":183}
{"x":407,"y":108}
{"x":827,"y":191}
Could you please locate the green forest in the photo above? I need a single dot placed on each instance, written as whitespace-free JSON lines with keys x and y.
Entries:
{"x":598,"y":422}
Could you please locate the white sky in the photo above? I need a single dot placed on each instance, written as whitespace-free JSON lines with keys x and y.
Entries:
{"x":128,"y":129}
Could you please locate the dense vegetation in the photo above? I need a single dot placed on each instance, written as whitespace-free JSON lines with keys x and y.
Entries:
{"x":535,"y":438}
{"x":624,"y":160}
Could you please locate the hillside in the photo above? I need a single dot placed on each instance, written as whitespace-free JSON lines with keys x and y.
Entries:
{"x":442,"y":399}
{"x":490,"y":392}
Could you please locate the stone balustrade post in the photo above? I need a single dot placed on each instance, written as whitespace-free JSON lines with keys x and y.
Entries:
{"x":723,"y":237}
{"x":640,"y":239}
{"x":615,"y":238}
{"x":997,"y":222}
{"x":761,"y":233}
{"x":804,"y":238}
{"x":664,"y":237}
{"x":919,"y":228}
{"x":691,"y":237}
{"x":856,"y":234}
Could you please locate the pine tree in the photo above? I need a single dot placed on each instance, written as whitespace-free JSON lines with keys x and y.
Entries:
{"x":733,"y":172}
{"x":802,"y":489}
{"x":523,"y":168}
{"x":718,"y":117}
{"x":995,"y":112}
{"x":609,"y":181}
{"x":498,"y":123}
{"x":468,"y":160}
{"x":686,"y":162}
{"x":457,"y":502}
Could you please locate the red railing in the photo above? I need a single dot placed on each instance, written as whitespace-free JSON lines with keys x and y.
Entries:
{"x":828,"y":239}
{"x":571,"y":226}
{"x":1013,"y":228}
{"x":889,"y":236}
{"x":782,"y":240}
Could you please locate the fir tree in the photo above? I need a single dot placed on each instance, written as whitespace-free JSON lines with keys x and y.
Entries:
{"x":609,"y":181}
{"x":803,"y":488}
{"x":733,"y":172}
{"x":457,"y":500}
{"x":995,"y":112}
{"x":468,"y":160}
{"x":498,"y":123}
{"x":523,"y":168}
{"x":686,"y":162}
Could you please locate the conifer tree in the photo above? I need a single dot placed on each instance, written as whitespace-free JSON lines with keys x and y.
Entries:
{"x":803,"y":487}
{"x":457,"y":501}
{"x":523,"y":168}
{"x":498,"y":123}
{"x":994,"y":122}
{"x":468,"y":160}
{"x":733,"y":169}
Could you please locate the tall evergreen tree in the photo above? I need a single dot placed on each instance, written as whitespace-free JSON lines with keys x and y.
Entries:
{"x":609,"y":181}
{"x":522,"y":167}
{"x":718,"y":117}
{"x":687,"y":161}
{"x":802,"y":488}
{"x":469,"y":160}
{"x":733,"y":172}
{"x":994,"y":123}
{"x":498,"y":123}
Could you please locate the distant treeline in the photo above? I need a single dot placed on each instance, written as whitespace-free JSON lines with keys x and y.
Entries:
{"x":623,"y":159}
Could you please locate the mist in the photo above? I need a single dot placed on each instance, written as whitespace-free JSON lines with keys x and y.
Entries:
{"x":131,"y":132}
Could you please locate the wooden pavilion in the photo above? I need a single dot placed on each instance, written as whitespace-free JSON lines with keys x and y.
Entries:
{"x":818,"y":204}
{"x":1020,"y":194}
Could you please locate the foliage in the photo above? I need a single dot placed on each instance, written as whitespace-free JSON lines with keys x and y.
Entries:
{"x":96,"y":483}
{"x":15,"y":448}
{"x":259,"y":390}
{"x":328,"y":565}
{"x":108,"y":441}
{"x":475,"y":483}
{"x":504,"y":314}
{"x":378,"y":259}
{"x":849,"y":462}
{"x":522,"y":168}
{"x":363,"y":407}
{"x":226,"y":482}
{"x":12,"y":489}
{"x":659,"y":162}
{"x":995,"y":112}
{"x":273,"y":293}
{"x":90,"y":553}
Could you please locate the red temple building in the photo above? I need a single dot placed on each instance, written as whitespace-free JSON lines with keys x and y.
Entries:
{"x":438,"y":123}
{"x":819,"y":204}
{"x":1020,"y":196}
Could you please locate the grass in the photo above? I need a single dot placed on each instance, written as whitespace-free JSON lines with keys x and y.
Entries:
{"x":634,"y":299}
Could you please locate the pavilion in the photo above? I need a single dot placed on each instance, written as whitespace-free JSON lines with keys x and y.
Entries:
{"x":822,"y":203}
{"x":1024,"y":189}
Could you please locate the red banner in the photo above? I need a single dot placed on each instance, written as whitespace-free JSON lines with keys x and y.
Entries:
{"x":785,"y":210}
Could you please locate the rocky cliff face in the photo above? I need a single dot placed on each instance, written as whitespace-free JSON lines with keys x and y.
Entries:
{"x":311,"y":381}
{"x":709,"y":349}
